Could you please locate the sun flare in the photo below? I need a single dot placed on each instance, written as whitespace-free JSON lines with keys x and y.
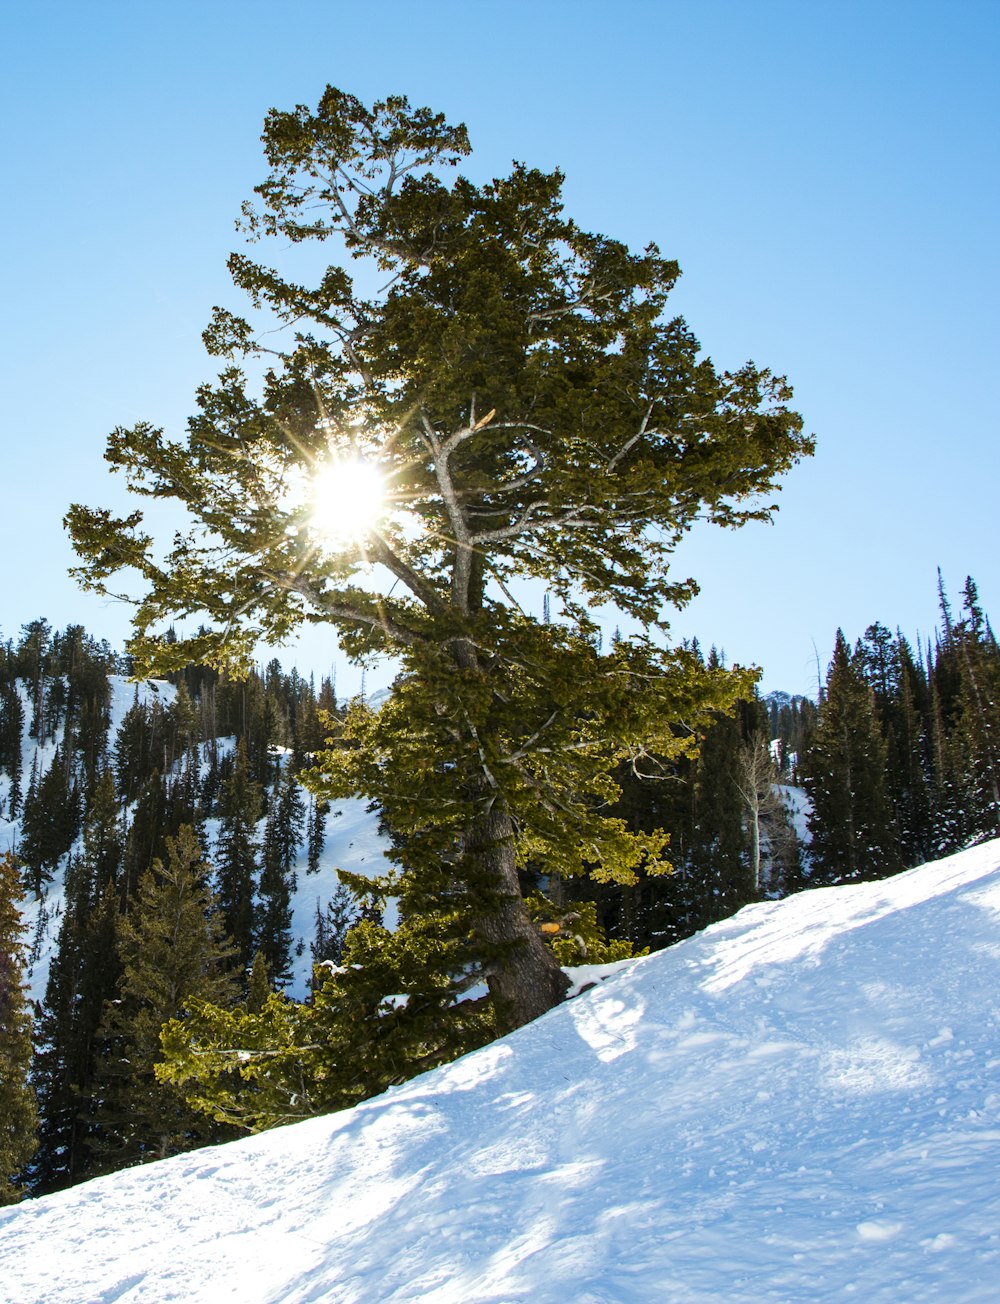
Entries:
{"x":347,"y":496}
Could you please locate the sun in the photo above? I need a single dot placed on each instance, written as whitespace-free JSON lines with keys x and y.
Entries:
{"x":347,"y":497}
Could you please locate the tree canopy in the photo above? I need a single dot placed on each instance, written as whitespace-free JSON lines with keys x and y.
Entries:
{"x":517,"y":392}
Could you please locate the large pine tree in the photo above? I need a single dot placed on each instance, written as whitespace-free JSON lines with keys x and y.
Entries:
{"x":526,"y":405}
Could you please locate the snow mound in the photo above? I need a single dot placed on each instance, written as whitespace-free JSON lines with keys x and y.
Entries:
{"x":800,"y":1104}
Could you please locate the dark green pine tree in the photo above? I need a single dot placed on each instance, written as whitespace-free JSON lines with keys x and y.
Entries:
{"x":332,"y":926}
{"x":910,"y":770}
{"x":173,"y":950}
{"x":236,"y":853}
{"x":844,"y":772}
{"x":103,"y":838}
{"x":11,"y":734}
{"x":181,"y":726}
{"x":184,"y":799}
{"x":83,"y":976}
{"x":285,"y":828}
{"x":884,"y":661}
{"x":139,"y":748}
{"x":951,"y":779}
{"x":979,"y":722}
{"x":282,"y":839}
{"x":50,"y":822}
{"x":718,"y":877}
{"x":18,"y":1113}
{"x":145,"y":841}
{"x":316,"y":832}
{"x":32,"y":651}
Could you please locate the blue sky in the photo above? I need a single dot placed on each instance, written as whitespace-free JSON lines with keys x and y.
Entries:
{"x":826,"y":175}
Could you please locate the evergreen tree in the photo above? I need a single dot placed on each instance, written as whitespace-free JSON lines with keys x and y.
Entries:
{"x":50,"y":822}
{"x":236,"y":856}
{"x":316,"y":832}
{"x":83,"y":976}
{"x":102,"y":834}
{"x":284,"y":830}
{"x":282,"y":838}
{"x":18,"y":1114}
{"x":531,"y":409}
{"x":909,"y":765}
{"x":844,"y":775}
{"x":11,"y":733}
{"x":259,"y":986}
{"x":139,"y":749}
{"x":145,"y":841}
{"x":979,"y":670}
{"x":172,"y":951}
{"x":332,"y":926}
{"x":181,"y":726}
{"x":32,"y":651}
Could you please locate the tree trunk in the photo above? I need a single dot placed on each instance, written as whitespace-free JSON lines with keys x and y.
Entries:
{"x":525,"y":979}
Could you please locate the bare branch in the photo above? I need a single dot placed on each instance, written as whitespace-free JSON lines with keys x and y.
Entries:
{"x":419,"y":586}
{"x":378,"y":619}
{"x":527,"y":746}
{"x":630,"y":442}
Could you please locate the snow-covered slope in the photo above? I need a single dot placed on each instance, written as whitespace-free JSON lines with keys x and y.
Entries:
{"x":352,"y":841}
{"x":800,"y":1104}
{"x":43,"y":917}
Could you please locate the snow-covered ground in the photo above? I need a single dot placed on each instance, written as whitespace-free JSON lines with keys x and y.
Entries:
{"x":800,"y":1104}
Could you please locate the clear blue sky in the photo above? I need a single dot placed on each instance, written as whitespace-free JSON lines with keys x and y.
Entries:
{"x":825,"y":173}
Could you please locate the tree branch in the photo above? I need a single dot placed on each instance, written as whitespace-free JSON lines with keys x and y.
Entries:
{"x":344,"y":611}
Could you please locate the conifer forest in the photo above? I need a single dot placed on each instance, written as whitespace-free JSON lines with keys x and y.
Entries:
{"x":158,"y":860}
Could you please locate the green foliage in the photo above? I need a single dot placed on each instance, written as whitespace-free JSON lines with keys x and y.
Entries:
{"x":575,"y":935}
{"x":173,"y":951}
{"x":240,"y":802}
{"x":384,"y":1016}
{"x":844,"y":774}
{"x":50,"y":822}
{"x":533,"y":411}
{"x":83,"y":976}
{"x":18,"y":1113}
{"x":548,"y":724}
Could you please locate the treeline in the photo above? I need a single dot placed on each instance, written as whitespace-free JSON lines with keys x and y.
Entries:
{"x":180,"y":832}
{"x":899,"y":760}
{"x":177,"y":836}
{"x":902,"y":759}
{"x":732,"y":834}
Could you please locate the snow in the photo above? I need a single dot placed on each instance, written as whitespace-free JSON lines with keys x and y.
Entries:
{"x":799,"y":809}
{"x":352,"y":842}
{"x":801,"y":1103}
{"x":43,"y":917}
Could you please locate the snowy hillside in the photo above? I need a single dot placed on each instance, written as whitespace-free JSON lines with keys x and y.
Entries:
{"x":800,"y":1104}
{"x":351,"y":841}
{"x":43,"y":917}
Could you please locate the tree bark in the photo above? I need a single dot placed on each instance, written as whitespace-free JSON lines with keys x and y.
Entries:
{"x":527,"y":979}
